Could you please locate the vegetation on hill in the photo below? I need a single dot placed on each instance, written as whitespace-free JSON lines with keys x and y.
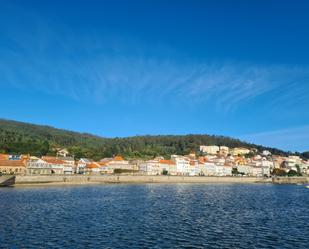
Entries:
{"x":18,"y":137}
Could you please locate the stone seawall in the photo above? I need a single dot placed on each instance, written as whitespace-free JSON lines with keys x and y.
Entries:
{"x":290,"y":180}
{"x":97,"y":179}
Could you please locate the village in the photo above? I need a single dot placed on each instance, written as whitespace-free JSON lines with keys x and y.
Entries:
{"x":210,"y":161}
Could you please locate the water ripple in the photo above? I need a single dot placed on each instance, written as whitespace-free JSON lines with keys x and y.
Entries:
{"x":155,"y":216}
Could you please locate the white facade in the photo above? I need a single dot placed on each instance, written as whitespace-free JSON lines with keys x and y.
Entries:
{"x":224,"y":150}
{"x":182,"y":164}
{"x":240,"y":151}
{"x":245,"y":169}
{"x":81,"y":165}
{"x":41,"y":167}
{"x":212,"y":149}
{"x":151,"y":167}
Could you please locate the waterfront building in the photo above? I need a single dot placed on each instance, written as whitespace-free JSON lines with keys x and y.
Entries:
{"x":81,"y":165}
{"x":45,"y":166}
{"x":258,"y":171}
{"x":16,"y":167}
{"x":221,"y":170}
{"x":194,"y":167}
{"x":151,"y":167}
{"x":109,"y":165}
{"x":93,"y":168}
{"x":168,"y":165}
{"x":209,"y":168}
{"x":245,"y":169}
{"x":182,"y":164}
{"x":304,"y":166}
{"x":69,"y":164}
{"x":278,"y":161}
{"x":4,"y":156}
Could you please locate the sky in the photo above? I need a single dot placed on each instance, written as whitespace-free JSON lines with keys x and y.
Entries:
{"x":126,"y":67}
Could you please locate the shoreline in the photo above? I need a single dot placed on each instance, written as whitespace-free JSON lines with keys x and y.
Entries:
{"x":34,"y":180}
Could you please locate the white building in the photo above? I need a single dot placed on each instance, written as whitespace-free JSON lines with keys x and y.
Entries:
{"x":151,"y":167}
{"x":81,"y":165}
{"x":266,"y":153}
{"x":211,"y":150}
{"x":245,"y":169}
{"x":209,"y":168}
{"x":240,"y":151}
{"x":45,"y":166}
{"x":224,"y":150}
{"x":109,"y":165}
{"x":182,"y":164}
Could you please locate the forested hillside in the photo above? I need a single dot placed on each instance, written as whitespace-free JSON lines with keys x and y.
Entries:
{"x":18,"y":137}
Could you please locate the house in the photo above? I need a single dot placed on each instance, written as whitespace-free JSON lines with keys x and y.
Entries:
{"x":227,"y":170}
{"x":93,"y":168}
{"x":182,"y":164}
{"x":151,"y":167}
{"x":169,"y":166}
{"x":16,"y":167}
{"x":4,"y":157}
{"x":245,"y":169}
{"x":211,"y":150}
{"x":257,"y":171}
{"x":81,"y":165}
{"x":224,"y":150}
{"x":69,"y":164}
{"x":45,"y":166}
{"x":278,"y":161}
{"x":15,"y":157}
{"x":194,"y":167}
{"x":266,"y":153}
{"x":240,"y":151}
{"x":209,"y":168}
{"x":109,"y":165}
{"x":62,"y":152}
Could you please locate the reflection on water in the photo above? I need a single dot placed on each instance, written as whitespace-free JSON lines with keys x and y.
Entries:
{"x":155,"y":216}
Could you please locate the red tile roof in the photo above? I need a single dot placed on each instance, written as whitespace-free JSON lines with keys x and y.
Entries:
{"x":118,"y":158}
{"x":4,"y":156}
{"x":53,"y":160}
{"x":12,"y":163}
{"x":166,"y":162}
{"x":92,"y":165}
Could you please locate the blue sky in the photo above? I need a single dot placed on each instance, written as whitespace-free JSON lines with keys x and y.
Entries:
{"x":123,"y":68}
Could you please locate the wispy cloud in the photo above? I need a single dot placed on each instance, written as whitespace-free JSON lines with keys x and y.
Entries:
{"x":295,"y":138}
{"x":58,"y":61}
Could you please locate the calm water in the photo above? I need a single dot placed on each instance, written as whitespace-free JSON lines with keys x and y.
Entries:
{"x":155,"y":216}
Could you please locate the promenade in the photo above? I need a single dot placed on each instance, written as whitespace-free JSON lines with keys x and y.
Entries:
{"x":102,"y":179}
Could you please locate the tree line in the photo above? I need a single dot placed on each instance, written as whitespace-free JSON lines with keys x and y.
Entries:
{"x":18,"y":137}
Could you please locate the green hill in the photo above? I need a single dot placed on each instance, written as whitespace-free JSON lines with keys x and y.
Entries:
{"x":18,"y":137}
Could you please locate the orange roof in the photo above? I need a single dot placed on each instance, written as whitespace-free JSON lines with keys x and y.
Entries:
{"x":12,"y":163}
{"x":4,"y":156}
{"x":166,"y":162}
{"x":118,"y":158}
{"x":102,"y":163}
{"x":53,"y":160}
{"x":92,"y":165}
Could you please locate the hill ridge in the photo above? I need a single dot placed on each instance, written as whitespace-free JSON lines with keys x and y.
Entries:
{"x":21,"y":137}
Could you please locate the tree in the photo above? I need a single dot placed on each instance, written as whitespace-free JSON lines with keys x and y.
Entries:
{"x":292,"y":173}
{"x":235,"y":171}
{"x":298,"y":170}
{"x":164,"y":172}
{"x":279,"y":172}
